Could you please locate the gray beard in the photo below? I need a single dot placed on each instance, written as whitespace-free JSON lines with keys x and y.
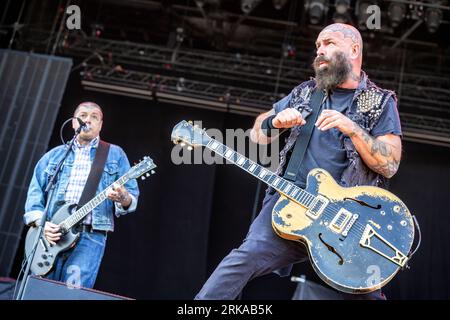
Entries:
{"x":333,"y":74}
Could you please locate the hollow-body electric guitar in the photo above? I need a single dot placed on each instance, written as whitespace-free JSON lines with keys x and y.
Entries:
{"x":68,"y":216}
{"x":357,"y":238}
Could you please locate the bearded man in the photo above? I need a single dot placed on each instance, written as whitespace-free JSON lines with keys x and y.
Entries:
{"x":356,"y":138}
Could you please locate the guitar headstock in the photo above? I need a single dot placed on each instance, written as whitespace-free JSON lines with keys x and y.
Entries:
{"x":142,"y":169}
{"x":185,"y":133}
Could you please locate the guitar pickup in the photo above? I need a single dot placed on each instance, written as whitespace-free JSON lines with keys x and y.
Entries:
{"x":342,"y":221}
{"x":317,"y":206}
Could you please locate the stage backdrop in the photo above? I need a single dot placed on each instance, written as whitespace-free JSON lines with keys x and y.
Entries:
{"x":190,"y":216}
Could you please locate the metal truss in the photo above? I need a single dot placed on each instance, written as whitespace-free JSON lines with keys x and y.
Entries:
{"x":416,"y":127}
{"x":173,"y":89}
{"x":246,"y":84}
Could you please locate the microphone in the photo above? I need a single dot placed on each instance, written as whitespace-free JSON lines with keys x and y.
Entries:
{"x":83,"y":125}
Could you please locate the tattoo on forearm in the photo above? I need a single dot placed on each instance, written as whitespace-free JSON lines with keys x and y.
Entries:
{"x":381,"y":148}
{"x":387,"y":165}
{"x":357,"y":130}
{"x":387,"y":169}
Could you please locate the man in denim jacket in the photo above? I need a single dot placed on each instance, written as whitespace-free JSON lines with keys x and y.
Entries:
{"x":80,"y":265}
{"x":357,"y":139}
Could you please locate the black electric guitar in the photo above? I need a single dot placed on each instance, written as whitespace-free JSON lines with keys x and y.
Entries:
{"x":357,"y":238}
{"x":69,"y":216}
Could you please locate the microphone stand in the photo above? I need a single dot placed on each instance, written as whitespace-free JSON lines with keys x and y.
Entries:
{"x":49,"y":190}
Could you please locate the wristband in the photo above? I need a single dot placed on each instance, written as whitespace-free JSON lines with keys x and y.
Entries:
{"x":267,"y":125}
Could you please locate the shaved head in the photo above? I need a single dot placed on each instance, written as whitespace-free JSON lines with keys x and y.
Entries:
{"x":339,"y":56}
{"x":349,"y":33}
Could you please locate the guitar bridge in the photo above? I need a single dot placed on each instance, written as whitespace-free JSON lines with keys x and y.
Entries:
{"x":368,"y":239}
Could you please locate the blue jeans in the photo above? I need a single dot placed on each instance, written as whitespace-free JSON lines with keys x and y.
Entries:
{"x":79,"y":266}
{"x":262,"y":252}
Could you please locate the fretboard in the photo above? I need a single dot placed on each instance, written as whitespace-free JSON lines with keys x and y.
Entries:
{"x":79,"y":215}
{"x":280,"y":184}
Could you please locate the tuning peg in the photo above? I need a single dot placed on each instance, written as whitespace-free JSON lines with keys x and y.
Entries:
{"x":142,"y":178}
{"x":190,"y":148}
{"x":182,"y":144}
{"x":147,"y":174}
{"x":152,"y":172}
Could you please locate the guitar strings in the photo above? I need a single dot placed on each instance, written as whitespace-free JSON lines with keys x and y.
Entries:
{"x":329,"y":211}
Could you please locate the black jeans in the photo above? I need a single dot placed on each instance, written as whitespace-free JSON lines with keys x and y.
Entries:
{"x":262,"y":252}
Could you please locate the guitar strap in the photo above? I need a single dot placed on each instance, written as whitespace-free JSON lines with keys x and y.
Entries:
{"x":95,"y":174}
{"x":304,"y":136}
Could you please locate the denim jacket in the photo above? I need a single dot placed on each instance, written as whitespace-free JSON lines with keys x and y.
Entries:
{"x":102,"y":216}
{"x":367,"y":105}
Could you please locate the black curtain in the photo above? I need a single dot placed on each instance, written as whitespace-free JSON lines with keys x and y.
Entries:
{"x":190,"y":216}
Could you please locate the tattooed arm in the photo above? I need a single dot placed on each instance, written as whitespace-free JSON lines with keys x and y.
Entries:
{"x":381,"y":154}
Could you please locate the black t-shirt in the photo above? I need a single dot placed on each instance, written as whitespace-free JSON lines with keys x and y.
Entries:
{"x":326,"y":148}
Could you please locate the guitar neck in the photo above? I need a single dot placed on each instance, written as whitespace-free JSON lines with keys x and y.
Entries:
{"x":280,"y":184}
{"x":79,"y":215}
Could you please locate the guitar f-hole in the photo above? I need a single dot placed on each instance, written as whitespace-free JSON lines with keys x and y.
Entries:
{"x":378,"y":206}
{"x":332,"y":249}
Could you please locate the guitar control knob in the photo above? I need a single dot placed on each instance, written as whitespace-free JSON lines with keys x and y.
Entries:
{"x":47,"y":263}
{"x":40,"y":264}
{"x":44,"y":256}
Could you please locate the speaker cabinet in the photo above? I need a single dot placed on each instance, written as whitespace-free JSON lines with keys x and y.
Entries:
{"x":43,"y":289}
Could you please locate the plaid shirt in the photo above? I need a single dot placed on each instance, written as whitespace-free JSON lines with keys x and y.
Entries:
{"x":79,"y":173}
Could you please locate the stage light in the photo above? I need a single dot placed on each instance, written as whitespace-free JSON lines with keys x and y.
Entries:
{"x":341,"y":17}
{"x":317,"y":9}
{"x":433,"y":18}
{"x":180,"y":84}
{"x":342,"y":6}
{"x":289,"y":51}
{"x":279,"y":4}
{"x":206,"y":3}
{"x":247,"y":6}
{"x":200,"y":3}
{"x":180,"y":35}
{"x":97,"y":30}
{"x":396,"y":13}
{"x":361,"y":12}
